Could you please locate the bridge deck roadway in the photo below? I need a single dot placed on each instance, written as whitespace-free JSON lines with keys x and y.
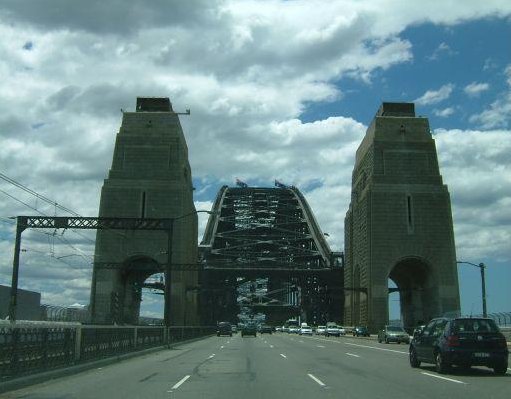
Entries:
{"x":273,"y":366}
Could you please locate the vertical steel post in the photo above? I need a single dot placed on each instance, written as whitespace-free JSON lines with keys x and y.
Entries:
{"x":483,"y":288}
{"x":20,"y":227}
{"x":168,"y":276}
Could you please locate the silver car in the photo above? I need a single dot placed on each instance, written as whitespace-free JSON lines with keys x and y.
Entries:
{"x":393,"y":334}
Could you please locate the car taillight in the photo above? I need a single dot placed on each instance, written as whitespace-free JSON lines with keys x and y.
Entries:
{"x":453,"y":340}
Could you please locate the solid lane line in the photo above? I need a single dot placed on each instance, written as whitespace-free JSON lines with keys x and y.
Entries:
{"x":375,"y":347}
{"x":443,"y":378}
{"x":317,"y":380}
{"x":352,"y":354}
{"x":181,"y":382}
{"x":284,"y":356}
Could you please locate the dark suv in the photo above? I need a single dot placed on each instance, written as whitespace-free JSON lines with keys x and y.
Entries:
{"x":224,"y":328}
{"x":266,"y":329}
{"x":463,"y":342}
{"x":360,"y":331}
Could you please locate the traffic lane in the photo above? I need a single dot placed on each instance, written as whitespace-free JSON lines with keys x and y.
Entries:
{"x":373,"y":365}
{"x":483,"y":375}
{"x":345,"y":369}
{"x":252,"y":368}
{"x":145,"y":376}
{"x":482,"y":378}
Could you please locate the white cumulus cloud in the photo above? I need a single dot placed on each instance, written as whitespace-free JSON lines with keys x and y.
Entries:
{"x":475,"y":88}
{"x":435,"y":96}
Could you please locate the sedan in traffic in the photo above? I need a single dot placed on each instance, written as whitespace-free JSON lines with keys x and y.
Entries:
{"x":464,"y":342}
{"x":393,"y":334}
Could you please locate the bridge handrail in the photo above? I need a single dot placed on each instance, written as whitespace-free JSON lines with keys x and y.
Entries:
{"x":28,"y":347}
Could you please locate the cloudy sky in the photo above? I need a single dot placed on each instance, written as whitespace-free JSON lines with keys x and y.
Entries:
{"x":277,"y":89}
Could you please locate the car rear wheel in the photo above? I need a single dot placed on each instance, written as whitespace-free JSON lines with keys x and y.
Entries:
{"x":441,"y":366}
{"x":414,"y":362}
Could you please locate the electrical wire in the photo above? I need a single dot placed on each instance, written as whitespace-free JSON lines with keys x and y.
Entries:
{"x":42,"y":213}
{"x":62,"y":239}
{"x":49,"y":201}
{"x":37,"y":195}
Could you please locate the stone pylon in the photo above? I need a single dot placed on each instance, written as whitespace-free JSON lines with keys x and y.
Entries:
{"x":399,"y":225}
{"x":150,"y":178}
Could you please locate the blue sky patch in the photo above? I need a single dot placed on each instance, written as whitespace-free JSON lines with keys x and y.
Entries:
{"x":28,"y":46}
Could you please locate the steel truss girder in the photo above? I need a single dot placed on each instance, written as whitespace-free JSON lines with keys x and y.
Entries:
{"x":93,"y":223}
{"x":264,"y":227}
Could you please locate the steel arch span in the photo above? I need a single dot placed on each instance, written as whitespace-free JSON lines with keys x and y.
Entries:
{"x":268,"y":233}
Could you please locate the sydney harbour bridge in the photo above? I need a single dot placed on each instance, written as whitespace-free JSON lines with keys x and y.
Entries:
{"x":263,"y":252}
{"x":262,"y":257}
{"x":269,"y":235}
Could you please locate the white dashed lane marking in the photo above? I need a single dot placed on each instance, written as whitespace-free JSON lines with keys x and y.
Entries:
{"x":352,"y":354}
{"x":284,"y":356}
{"x":179,"y":383}
{"x":443,"y":378}
{"x":317,"y":380}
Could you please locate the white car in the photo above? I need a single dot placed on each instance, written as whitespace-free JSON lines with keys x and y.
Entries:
{"x":342,"y":330}
{"x":321,"y":330}
{"x":332,"y":330}
{"x":305,"y":331}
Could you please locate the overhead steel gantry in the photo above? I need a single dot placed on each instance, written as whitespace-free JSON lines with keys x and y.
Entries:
{"x":82,"y":223}
{"x":271,"y":233}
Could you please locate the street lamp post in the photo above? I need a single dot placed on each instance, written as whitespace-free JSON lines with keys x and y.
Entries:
{"x":168,"y":267}
{"x":481,"y":266}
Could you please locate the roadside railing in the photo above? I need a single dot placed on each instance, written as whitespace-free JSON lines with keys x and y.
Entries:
{"x":27,"y":348}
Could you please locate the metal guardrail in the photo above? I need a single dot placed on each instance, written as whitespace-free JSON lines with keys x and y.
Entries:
{"x":503,"y":319}
{"x":27,"y":348}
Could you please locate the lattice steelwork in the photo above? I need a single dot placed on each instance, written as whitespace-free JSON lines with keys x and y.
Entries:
{"x":62,"y":222}
{"x":272,"y":235}
{"x":264,"y":228}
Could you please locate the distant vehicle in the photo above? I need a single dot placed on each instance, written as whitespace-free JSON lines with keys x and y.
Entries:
{"x":294,"y":329}
{"x":360,"y":331}
{"x":332,"y":329}
{"x":342,"y":330}
{"x":249,"y":329}
{"x":266,"y":329}
{"x":393,"y":334}
{"x":234,"y":329}
{"x":305,"y":330}
{"x":463,"y":342}
{"x":304,"y":325}
{"x":321,"y":330}
{"x":224,"y":328}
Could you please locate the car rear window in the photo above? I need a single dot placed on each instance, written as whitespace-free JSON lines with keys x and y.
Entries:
{"x":474,"y":326}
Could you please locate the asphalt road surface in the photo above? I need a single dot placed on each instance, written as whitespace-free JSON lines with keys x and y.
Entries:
{"x":273,"y":366}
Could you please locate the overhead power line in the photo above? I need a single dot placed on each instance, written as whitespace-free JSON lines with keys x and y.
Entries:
{"x":37,"y":195}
